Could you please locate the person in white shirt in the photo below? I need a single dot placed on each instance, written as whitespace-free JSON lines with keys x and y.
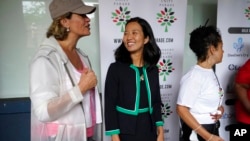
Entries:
{"x":200,"y":95}
{"x":65,"y":102}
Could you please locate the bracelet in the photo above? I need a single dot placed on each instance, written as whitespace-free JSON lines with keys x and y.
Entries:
{"x":210,"y":137}
{"x":197,"y":128}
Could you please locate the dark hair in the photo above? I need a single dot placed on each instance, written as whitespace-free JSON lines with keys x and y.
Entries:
{"x":57,"y":30}
{"x":201,"y":38}
{"x":151,"y":51}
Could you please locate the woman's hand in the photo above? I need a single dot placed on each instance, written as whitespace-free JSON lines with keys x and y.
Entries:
{"x":87,"y":81}
{"x":216,"y":116}
{"x":214,"y":138}
{"x":160,"y":133}
{"x":115,"y":138}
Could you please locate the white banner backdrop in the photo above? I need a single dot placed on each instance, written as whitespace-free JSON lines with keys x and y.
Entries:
{"x":233,"y":20}
{"x":167,"y":18}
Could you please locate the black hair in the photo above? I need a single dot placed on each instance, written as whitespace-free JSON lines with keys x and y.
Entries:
{"x":203,"y":37}
{"x":151,"y":51}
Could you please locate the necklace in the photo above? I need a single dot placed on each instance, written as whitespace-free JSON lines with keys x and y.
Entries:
{"x":142,"y":77}
{"x":141,"y":73}
{"x":220,"y":88}
{"x":221,"y":92}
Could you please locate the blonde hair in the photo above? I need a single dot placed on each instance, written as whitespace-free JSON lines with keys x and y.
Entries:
{"x":57,"y":30}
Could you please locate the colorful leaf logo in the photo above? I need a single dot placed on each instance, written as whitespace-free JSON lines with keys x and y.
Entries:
{"x":166,"y":18}
{"x":165,"y":68}
{"x":165,"y":110}
{"x":120,"y":17}
{"x":247,"y":13}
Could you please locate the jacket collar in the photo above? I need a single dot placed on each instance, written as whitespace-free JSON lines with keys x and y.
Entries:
{"x":54,"y":45}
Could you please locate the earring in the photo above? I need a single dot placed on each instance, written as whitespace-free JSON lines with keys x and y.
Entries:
{"x":67,"y":29}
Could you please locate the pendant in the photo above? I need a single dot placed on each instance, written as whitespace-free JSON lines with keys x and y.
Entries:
{"x":221,"y":93}
{"x":142,"y":77}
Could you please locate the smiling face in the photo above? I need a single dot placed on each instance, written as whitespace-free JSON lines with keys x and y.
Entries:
{"x":134,"y":38}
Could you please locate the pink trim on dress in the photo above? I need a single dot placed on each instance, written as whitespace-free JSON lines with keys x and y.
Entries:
{"x":90,"y":130}
{"x":52,"y":129}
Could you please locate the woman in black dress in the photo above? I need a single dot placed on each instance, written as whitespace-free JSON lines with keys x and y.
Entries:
{"x":132,"y":93}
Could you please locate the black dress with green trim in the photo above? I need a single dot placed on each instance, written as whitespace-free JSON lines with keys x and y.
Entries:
{"x":140,"y":113}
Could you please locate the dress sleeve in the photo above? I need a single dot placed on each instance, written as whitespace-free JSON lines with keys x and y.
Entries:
{"x":111,"y":97}
{"x":48,"y":102}
{"x":243,"y":75}
{"x":189,"y":91}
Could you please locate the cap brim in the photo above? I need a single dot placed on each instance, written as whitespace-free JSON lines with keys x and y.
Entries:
{"x":84,"y":10}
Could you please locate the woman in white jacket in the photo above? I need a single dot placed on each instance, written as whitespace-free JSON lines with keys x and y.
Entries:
{"x":64,"y":97}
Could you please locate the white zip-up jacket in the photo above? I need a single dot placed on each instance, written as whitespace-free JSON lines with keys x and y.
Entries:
{"x":59,"y":111}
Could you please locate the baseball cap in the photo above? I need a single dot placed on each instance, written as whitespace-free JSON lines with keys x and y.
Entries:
{"x":59,"y":7}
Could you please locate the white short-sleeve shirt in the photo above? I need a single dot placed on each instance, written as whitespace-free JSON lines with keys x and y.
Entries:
{"x":199,"y":90}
